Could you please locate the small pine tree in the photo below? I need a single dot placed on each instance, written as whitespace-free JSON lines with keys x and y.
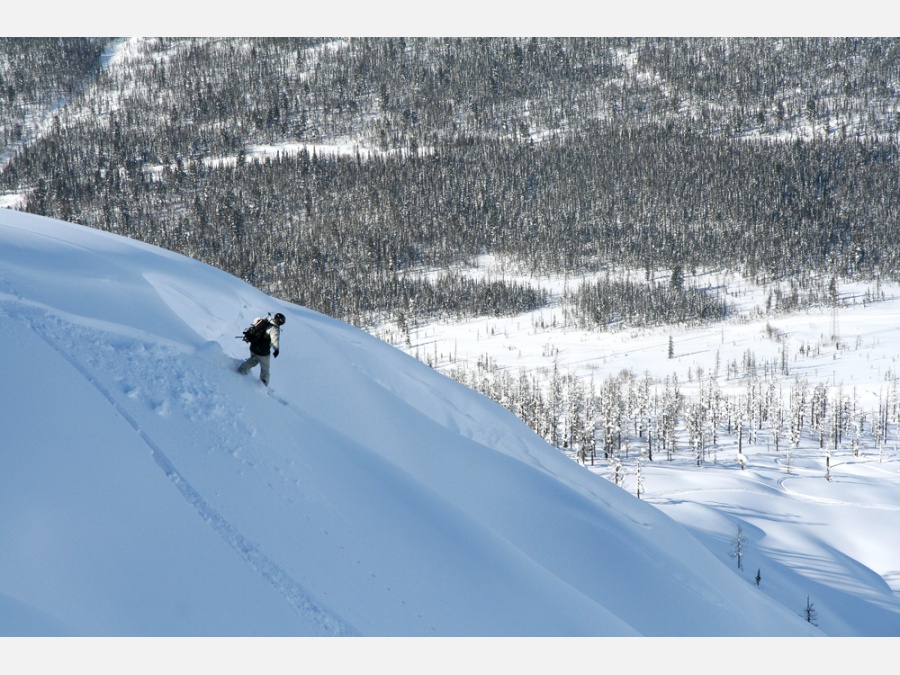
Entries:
{"x":810,"y":613}
{"x":758,"y":576}
{"x":677,"y":278}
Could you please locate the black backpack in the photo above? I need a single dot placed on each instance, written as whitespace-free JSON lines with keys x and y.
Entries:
{"x":258,"y":336}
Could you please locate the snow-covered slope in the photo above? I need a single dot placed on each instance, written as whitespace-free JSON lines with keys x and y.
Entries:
{"x":148,"y":489}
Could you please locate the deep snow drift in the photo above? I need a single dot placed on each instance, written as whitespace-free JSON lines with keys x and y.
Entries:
{"x":148,"y":489}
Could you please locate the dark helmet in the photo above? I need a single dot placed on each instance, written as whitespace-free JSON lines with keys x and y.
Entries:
{"x":278,"y":319}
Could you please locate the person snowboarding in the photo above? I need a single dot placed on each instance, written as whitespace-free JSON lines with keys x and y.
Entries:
{"x":263,"y":337}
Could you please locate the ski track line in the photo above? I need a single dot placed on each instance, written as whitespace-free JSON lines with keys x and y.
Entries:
{"x":249,"y":551}
{"x":802,"y":496}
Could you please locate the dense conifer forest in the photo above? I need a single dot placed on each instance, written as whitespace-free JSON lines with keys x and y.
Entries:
{"x":773,"y":159}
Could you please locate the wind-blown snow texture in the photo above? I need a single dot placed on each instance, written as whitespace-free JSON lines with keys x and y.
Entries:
{"x":148,"y":489}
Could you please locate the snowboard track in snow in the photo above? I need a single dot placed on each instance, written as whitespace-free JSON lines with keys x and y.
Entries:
{"x":258,"y":561}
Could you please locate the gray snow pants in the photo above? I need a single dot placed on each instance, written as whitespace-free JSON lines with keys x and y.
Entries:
{"x":263,"y":362}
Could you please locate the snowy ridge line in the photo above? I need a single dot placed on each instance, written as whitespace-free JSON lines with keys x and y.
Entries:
{"x":665,"y":496}
{"x":258,"y":561}
{"x":11,"y":297}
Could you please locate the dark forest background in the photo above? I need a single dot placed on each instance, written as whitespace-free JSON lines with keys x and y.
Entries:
{"x":771,"y":158}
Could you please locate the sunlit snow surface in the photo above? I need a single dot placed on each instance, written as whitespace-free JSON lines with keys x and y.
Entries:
{"x":148,"y":489}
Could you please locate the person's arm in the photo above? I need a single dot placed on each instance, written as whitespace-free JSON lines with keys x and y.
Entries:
{"x":275,"y":334}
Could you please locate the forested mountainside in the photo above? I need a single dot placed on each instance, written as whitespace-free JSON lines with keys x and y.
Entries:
{"x":36,"y":75}
{"x":772,"y":158}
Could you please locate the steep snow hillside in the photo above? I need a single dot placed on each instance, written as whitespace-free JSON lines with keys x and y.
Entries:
{"x":149,"y":489}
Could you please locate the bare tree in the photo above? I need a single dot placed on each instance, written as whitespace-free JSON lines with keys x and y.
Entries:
{"x":738,"y":547}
